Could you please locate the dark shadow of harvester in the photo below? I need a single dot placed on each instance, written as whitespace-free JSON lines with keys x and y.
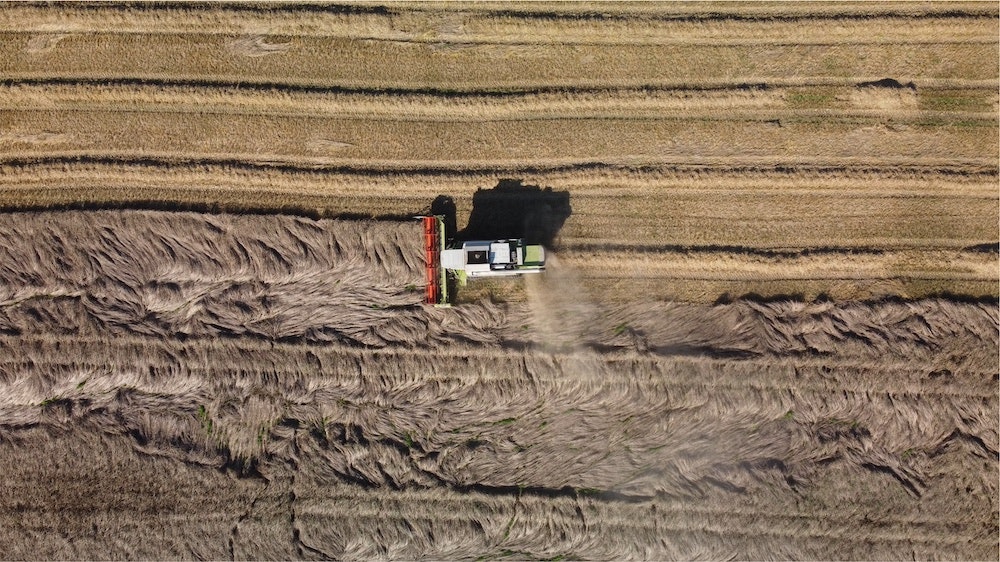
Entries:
{"x":511,"y":215}
{"x":514,"y":210}
{"x":444,"y":207}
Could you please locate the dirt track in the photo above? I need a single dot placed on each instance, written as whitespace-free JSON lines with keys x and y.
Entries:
{"x":212,"y":385}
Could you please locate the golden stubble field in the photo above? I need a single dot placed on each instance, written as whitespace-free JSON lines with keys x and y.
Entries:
{"x":703,"y":132}
{"x":235,"y":381}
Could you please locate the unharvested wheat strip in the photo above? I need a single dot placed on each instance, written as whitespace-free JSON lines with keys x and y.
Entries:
{"x":600,"y":182}
{"x":670,"y":104}
{"x":188,"y":99}
{"x":456,"y":28}
{"x":848,"y":189}
{"x":768,"y":204}
{"x":712,"y":265}
{"x":819,"y":178}
{"x":267,"y":138}
{"x":776,"y":274}
{"x":362,"y":64}
{"x":902,"y":229}
{"x":464,"y":25}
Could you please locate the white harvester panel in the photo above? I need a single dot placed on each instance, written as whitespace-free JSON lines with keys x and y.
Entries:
{"x":500,"y":255}
{"x":453,"y":259}
{"x":484,"y":258}
{"x":477,"y":257}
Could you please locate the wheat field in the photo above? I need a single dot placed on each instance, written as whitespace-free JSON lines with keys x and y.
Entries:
{"x":675,"y":127}
{"x":768,"y":329}
{"x":296,"y":380}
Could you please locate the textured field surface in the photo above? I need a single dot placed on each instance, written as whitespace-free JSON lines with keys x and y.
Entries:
{"x":694,"y":140}
{"x":269,"y":386}
{"x":252,"y":375}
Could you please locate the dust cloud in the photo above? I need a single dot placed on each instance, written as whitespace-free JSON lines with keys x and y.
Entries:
{"x":563,"y":314}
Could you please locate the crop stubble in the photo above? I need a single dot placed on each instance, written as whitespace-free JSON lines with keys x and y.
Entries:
{"x":706,"y":153}
{"x":673,"y":127}
{"x":291,"y":352}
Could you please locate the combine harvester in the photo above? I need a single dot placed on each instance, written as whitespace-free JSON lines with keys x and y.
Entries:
{"x":448,"y":259}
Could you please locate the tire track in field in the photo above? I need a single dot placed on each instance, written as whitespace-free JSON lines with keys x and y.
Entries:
{"x":253,"y":85}
{"x":898,"y":172}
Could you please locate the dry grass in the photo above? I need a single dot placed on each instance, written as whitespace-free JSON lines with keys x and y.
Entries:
{"x":704,"y":276}
{"x":390,"y":143}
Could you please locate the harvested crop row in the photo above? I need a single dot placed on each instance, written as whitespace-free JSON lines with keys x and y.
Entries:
{"x":193,"y":347}
{"x":285,"y":278}
{"x":709,"y":232}
{"x":707,"y":275}
{"x":685,"y":437}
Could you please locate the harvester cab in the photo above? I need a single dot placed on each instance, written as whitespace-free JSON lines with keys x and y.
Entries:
{"x":449,"y":259}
